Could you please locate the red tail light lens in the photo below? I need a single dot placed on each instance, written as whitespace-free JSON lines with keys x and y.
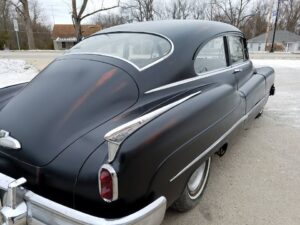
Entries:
{"x":108,"y":183}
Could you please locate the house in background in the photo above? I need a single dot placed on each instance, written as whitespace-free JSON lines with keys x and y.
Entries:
{"x":63,"y":35}
{"x":284,"y":40}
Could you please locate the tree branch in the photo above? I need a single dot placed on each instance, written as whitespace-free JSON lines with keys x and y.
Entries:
{"x":83,"y":6}
{"x":99,"y":10}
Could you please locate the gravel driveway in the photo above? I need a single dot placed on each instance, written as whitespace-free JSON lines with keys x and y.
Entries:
{"x":257,"y":181}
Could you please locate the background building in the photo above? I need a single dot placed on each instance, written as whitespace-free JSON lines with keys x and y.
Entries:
{"x":284,"y":41}
{"x":64,"y":37}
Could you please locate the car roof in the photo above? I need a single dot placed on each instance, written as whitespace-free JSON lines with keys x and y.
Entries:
{"x":176,"y":30}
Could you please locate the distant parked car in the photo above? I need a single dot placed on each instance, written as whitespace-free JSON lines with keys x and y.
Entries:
{"x":124,"y":125}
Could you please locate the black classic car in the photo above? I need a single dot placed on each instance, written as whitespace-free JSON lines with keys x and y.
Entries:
{"x":124,"y":124}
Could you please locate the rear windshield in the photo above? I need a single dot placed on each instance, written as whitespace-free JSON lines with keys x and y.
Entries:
{"x":138,"y":48}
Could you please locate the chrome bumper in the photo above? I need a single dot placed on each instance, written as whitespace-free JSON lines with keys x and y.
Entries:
{"x":22,"y":207}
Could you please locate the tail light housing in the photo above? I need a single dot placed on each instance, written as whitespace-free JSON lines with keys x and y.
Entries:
{"x":108,"y":183}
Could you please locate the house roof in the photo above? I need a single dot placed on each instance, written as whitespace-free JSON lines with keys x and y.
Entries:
{"x":280,"y":36}
{"x":68,"y":30}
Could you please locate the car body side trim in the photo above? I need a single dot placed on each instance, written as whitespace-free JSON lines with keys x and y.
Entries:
{"x":119,"y":134}
{"x":198,"y":77}
{"x":218,"y":141}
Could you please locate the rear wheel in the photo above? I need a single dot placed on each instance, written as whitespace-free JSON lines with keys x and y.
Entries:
{"x":194,"y":188}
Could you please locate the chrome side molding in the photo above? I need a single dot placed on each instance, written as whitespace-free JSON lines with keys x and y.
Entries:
{"x":218,"y":141}
{"x":7,"y":141}
{"x":116,"y":136}
{"x":198,"y":77}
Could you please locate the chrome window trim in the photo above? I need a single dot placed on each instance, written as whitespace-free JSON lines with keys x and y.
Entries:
{"x":204,"y":153}
{"x":114,"y":176}
{"x":119,"y":134}
{"x":125,"y":60}
{"x":198,"y":77}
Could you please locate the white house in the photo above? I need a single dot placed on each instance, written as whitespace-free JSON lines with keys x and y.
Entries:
{"x":284,"y":40}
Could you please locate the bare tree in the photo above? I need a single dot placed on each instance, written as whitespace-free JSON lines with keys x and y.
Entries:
{"x":290,"y":15}
{"x":109,"y":20}
{"x":36,"y":12}
{"x":234,"y":12}
{"x":198,"y":10}
{"x":4,"y":22}
{"x":258,"y":23}
{"x":210,"y":10}
{"x":179,"y":9}
{"x":22,"y":7}
{"x":78,"y":16}
{"x":140,"y":10}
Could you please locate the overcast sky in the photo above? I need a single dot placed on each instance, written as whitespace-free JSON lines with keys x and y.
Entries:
{"x":59,"y":11}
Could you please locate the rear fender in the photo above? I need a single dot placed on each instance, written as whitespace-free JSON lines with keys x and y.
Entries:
{"x":159,"y":150}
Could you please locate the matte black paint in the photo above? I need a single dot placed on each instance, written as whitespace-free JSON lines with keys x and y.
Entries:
{"x":62,"y":116}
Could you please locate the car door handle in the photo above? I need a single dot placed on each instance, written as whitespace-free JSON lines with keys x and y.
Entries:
{"x":237,"y":71}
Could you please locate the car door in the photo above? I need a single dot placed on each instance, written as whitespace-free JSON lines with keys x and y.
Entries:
{"x":212,"y":65}
{"x":249,"y":84}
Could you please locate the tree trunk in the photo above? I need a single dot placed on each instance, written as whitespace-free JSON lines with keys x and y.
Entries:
{"x":28,"y":25}
{"x":77,"y":29}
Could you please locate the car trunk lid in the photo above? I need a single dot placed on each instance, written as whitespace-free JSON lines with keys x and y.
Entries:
{"x":64,"y":102}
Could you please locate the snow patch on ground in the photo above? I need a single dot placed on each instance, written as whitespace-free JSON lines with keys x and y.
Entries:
{"x":277,"y":63}
{"x":14,"y":71}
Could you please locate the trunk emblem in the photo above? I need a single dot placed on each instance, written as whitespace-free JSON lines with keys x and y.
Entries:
{"x":7,"y":141}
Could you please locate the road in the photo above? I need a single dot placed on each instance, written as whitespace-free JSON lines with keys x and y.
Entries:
{"x":257,"y":181}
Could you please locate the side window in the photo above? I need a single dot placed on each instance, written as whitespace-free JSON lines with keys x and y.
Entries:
{"x":236,"y":48}
{"x":211,"y":56}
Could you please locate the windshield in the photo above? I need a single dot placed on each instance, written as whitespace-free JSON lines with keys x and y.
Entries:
{"x":138,"y":48}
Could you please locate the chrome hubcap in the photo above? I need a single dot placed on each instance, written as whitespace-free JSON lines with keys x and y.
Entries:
{"x":198,"y":179}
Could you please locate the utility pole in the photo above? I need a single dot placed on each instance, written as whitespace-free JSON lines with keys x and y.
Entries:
{"x":275,"y":26}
